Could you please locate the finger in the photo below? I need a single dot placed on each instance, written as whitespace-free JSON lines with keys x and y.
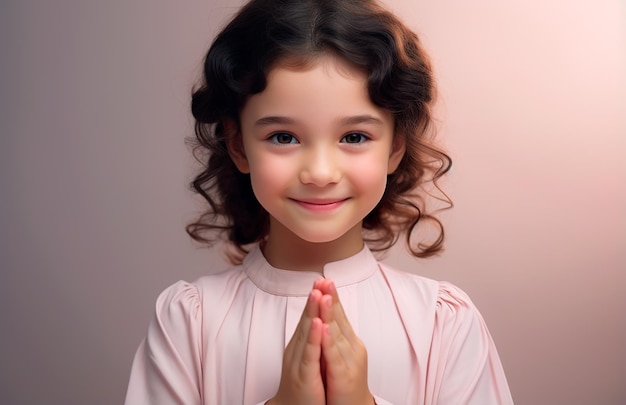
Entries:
{"x":307,"y":351}
{"x":322,"y":284}
{"x":346,"y":367}
{"x":311,"y":309}
{"x":301,"y":379}
{"x":295,"y":347}
{"x":326,"y":309}
{"x":331,"y":351}
{"x":338,"y":314}
{"x":310,"y":312}
{"x":319,"y":283}
{"x":340,"y":357}
{"x":312,"y":351}
{"x":334,"y":342}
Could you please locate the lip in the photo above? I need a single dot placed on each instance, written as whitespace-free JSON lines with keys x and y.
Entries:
{"x":320,"y":204}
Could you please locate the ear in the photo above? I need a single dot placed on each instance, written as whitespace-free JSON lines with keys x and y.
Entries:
{"x":398,"y":148}
{"x":234,"y":144}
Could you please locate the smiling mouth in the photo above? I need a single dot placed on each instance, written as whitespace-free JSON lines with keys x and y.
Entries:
{"x":320,"y":204}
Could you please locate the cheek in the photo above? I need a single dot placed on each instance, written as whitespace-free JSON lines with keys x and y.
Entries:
{"x":269,"y":176}
{"x":369,"y":176}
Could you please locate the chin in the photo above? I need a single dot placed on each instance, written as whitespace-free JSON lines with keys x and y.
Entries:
{"x":317,"y":237}
{"x":320,"y":235}
{"x":321,"y":241}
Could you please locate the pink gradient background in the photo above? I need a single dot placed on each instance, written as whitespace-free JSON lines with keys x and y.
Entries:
{"x":93,"y":172}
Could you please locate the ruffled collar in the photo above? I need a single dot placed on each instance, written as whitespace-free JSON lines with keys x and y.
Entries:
{"x":276,"y":281}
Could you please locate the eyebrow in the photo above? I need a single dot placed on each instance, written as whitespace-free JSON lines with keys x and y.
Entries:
{"x":271,"y":120}
{"x":352,"y":120}
{"x":362,"y":119}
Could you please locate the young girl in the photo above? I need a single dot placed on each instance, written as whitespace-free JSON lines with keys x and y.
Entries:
{"x":315,"y":117}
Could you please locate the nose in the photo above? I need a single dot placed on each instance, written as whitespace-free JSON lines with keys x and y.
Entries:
{"x":320,"y":167}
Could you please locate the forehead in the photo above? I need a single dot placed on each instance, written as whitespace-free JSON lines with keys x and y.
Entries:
{"x":324,"y":88}
{"x":328,"y":63}
{"x":322,"y":58}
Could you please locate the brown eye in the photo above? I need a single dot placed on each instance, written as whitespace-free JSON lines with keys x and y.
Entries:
{"x":354,"y":137}
{"x":283,"y":138}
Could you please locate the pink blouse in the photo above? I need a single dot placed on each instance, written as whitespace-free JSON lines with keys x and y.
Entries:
{"x":220,"y":340}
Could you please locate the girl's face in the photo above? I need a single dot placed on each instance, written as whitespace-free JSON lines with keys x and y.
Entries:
{"x":318,"y":152}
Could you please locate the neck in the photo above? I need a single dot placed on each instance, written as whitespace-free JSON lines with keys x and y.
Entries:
{"x":289,"y":252}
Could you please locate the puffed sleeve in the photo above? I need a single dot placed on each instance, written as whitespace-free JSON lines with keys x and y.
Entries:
{"x":167,"y":367}
{"x":464,"y":367}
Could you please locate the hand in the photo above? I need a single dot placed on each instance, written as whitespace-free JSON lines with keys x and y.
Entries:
{"x":301,"y":378}
{"x":344,"y":356}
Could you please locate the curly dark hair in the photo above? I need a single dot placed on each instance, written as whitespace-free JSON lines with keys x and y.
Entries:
{"x":400,"y":79}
